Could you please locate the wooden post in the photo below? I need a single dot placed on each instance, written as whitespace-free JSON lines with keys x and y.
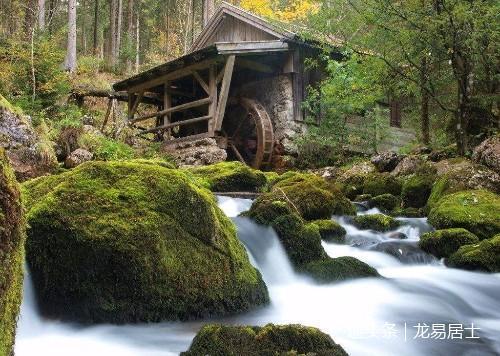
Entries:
{"x":212,"y":88}
{"x":167,"y":104}
{"x":224,"y":92}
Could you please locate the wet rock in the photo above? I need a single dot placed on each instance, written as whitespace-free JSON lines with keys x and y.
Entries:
{"x":386,"y":161}
{"x":397,"y":235}
{"x":445,"y":153}
{"x":197,"y":153}
{"x":409,"y":165}
{"x":78,"y":157}
{"x":330,"y":270}
{"x":442,"y":243}
{"x":377,"y":222}
{"x":353,"y":178}
{"x":488,"y":153}
{"x":381,"y":183}
{"x":215,"y":339}
{"x":482,"y":256}
{"x":385,"y":202}
{"x":330,"y":230}
{"x":416,"y":190}
{"x":406,"y":252}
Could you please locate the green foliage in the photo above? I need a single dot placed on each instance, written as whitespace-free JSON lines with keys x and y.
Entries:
{"x":130,"y":241}
{"x":442,"y":243}
{"x":12,"y":236}
{"x":270,"y":340}
{"x":483,"y":256}
{"x":105,"y":148}
{"x":474,"y":210}
{"x":377,"y":222}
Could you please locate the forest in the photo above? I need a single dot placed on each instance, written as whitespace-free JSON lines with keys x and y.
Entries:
{"x":249,"y":177}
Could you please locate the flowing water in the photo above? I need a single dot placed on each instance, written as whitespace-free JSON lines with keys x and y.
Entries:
{"x":371,"y":316}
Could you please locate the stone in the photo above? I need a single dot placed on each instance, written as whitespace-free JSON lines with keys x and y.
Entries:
{"x":330,"y":230}
{"x":386,"y":161}
{"x":385,"y":202}
{"x":196,"y":153}
{"x":397,"y":235}
{"x":377,"y":222}
{"x":443,"y":243}
{"x":381,"y":183}
{"x":409,"y":165}
{"x":488,"y":153}
{"x":416,"y":190}
{"x":337,"y":269}
{"x":127,"y":242}
{"x":78,"y":157}
{"x":445,"y":153}
{"x":222,"y":340}
{"x":482,"y":256}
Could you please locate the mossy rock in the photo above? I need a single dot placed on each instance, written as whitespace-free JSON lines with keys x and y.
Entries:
{"x":416,"y":190}
{"x":330,"y":270}
{"x":128,"y":242}
{"x":409,"y":212}
{"x":265,"y":211}
{"x":483,"y":256}
{"x":363,"y":197}
{"x":270,"y":340}
{"x":385,"y":202}
{"x":231,"y":177}
{"x":474,"y":210}
{"x":301,"y":242}
{"x":442,"y":243}
{"x":377,"y":222}
{"x":12,"y":236}
{"x":330,"y":230}
{"x":381,"y":183}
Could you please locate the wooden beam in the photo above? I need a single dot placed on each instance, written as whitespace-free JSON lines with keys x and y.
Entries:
{"x":167,"y":104}
{"x":212,"y":109}
{"x":251,"y":47}
{"x":224,"y":92}
{"x":187,"y":138}
{"x":253,"y":65}
{"x":200,"y":80}
{"x":177,"y":123}
{"x":181,"y":107}
{"x":176,"y":74}
{"x":138,"y":99}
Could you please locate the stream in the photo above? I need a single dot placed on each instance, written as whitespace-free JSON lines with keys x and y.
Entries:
{"x":420,"y":307}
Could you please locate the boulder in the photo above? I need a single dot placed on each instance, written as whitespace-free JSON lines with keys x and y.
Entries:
{"x":330,"y":230}
{"x":381,"y":183}
{"x":231,"y":177}
{"x":377,"y":222}
{"x":30,"y":152}
{"x":442,"y":243}
{"x":488,"y":153}
{"x":474,"y":210}
{"x":352,"y":179}
{"x":12,"y":228}
{"x":416,"y":190}
{"x":196,"y":153}
{"x":120,"y":242}
{"x":396,"y":235}
{"x":482,"y":256}
{"x":385,"y":202}
{"x":409,"y":165}
{"x":330,"y":270}
{"x":465,"y":176}
{"x":78,"y":157}
{"x":215,"y":339}
{"x":444,"y":153}
{"x":386,"y":161}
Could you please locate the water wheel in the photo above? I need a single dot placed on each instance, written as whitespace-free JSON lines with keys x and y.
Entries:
{"x":249,"y":133}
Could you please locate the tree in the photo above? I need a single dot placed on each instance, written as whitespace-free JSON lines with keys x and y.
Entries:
{"x":70,"y":61}
{"x":41,"y":15}
{"x":130,"y":32}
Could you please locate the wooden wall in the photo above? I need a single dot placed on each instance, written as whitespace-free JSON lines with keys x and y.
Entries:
{"x":234,"y":30}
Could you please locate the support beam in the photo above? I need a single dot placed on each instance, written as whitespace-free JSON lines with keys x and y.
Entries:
{"x":167,"y":104}
{"x":177,"y":123}
{"x":181,"y":107}
{"x":201,"y":81}
{"x":212,"y":83}
{"x":224,"y":92}
{"x":138,"y":99}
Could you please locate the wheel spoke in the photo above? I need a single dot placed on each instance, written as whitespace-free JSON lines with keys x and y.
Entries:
{"x":237,"y":153}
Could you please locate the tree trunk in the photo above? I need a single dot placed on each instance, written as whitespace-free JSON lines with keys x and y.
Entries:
{"x":137,"y":43}
{"x":83,"y":14}
{"x":130,"y":33}
{"x":70,"y":61}
{"x":41,"y":15}
{"x":112,"y":34}
{"x":96,"y":26}
{"x":424,"y":101}
{"x":29,"y":18}
{"x":208,"y":10}
{"x":119,"y":29}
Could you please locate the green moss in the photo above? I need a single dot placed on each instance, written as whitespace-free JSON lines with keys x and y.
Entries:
{"x":409,"y":212}
{"x":377,"y":222}
{"x":270,"y":340}
{"x":301,"y":242}
{"x":483,"y":256}
{"x":154,"y":161}
{"x":329,"y":270}
{"x":474,"y":210}
{"x":127,"y":242}
{"x":5,"y":104}
{"x":416,"y":190}
{"x":385,"y":202}
{"x":231,"y":177}
{"x":264,"y":211}
{"x":363,"y":197}
{"x":105,"y":148}
{"x":330,"y":230}
{"x":381,"y":183}
{"x":442,"y":243}
{"x":12,"y":238}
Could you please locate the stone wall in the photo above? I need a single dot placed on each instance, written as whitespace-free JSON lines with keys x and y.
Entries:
{"x":276,"y":95}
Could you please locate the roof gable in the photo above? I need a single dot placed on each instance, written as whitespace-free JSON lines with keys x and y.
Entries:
{"x":250,"y":27}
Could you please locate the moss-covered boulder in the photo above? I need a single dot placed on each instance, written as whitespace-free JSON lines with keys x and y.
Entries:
{"x":231,"y":177}
{"x":474,"y":210}
{"x":377,"y":222}
{"x":11,"y":255}
{"x":270,"y":340}
{"x":385,"y":202}
{"x":330,"y":230}
{"x":416,"y":190}
{"x":330,"y":270}
{"x":442,"y":243}
{"x":483,"y":256}
{"x":128,"y":242}
{"x":381,"y":183}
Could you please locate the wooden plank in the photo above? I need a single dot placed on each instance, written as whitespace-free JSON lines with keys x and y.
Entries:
{"x":167,"y":104}
{"x":138,"y":99}
{"x":187,"y":138}
{"x":251,"y":47}
{"x":212,"y":109}
{"x":224,"y":92}
{"x":200,"y":80}
{"x":176,"y":74}
{"x":253,"y":65}
{"x":181,"y":107}
{"x":177,"y":123}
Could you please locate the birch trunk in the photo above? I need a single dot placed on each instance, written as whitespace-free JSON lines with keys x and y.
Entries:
{"x":70,"y":61}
